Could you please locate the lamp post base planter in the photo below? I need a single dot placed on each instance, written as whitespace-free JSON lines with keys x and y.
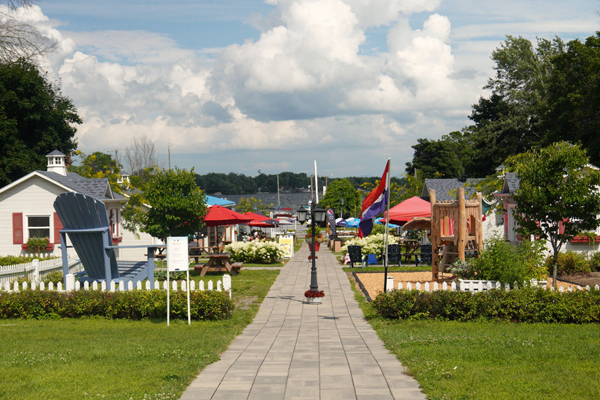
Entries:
{"x":317,"y":246}
{"x":313,"y":300}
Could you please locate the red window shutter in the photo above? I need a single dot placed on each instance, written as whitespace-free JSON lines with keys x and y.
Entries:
{"x":57,"y":227}
{"x":17,"y":221}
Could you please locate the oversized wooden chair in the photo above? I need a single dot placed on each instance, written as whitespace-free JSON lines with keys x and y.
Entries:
{"x":85,"y":221}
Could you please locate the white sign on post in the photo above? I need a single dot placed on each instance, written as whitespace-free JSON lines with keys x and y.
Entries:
{"x":177,"y":260}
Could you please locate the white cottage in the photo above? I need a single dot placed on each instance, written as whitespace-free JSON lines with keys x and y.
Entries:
{"x":26,"y":210}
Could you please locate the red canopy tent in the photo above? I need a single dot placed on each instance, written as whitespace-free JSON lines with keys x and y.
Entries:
{"x":407,"y":210}
{"x":219,"y":216}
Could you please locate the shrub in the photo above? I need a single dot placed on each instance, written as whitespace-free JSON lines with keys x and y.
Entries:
{"x":20,"y":281}
{"x":569,"y":263}
{"x":255,"y":252}
{"x":595,"y":261}
{"x":524,"y":305}
{"x":136,"y":304}
{"x":372,"y":244}
{"x":501,"y":261}
{"x":53,"y":277}
{"x":12,"y":260}
{"x":161,"y":276}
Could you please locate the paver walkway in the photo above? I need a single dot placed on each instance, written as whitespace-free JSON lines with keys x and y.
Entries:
{"x":303,"y":351}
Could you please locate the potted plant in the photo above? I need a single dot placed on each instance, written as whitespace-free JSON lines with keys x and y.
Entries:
{"x":38,"y":244}
{"x":318,"y":238}
{"x":314,"y":296}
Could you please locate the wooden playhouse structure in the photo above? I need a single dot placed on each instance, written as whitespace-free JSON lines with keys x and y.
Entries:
{"x":455,"y":228}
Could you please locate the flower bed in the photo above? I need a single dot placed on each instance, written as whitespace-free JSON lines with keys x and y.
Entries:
{"x":372,"y":244}
{"x":255,"y":252}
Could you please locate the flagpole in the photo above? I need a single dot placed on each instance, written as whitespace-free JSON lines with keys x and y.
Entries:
{"x":387,"y":223}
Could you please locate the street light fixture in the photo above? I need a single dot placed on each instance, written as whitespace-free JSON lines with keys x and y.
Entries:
{"x":317,"y":214}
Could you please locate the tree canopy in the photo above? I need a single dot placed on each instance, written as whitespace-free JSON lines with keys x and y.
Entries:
{"x":341,"y":189}
{"x":177,"y":206}
{"x":510,"y":121}
{"x":558,"y":194}
{"x":35,"y":119}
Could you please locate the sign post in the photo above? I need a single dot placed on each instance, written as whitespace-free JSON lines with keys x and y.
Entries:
{"x":178,"y":260}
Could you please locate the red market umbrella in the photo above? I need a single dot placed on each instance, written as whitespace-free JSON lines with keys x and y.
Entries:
{"x":415,"y":207}
{"x":219,"y":216}
{"x":261,"y":221}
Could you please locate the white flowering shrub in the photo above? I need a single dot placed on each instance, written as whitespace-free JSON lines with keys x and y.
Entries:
{"x":255,"y":252}
{"x":372,"y":244}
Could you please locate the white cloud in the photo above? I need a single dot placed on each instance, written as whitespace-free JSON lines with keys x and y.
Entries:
{"x":304,"y":81}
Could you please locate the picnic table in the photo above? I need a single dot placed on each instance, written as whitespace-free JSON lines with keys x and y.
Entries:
{"x":216,"y":261}
{"x":410,"y":249}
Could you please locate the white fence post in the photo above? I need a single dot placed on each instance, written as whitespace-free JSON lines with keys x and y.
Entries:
{"x":36,"y":269}
{"x":227,"y":283}
{"x":70,"y":282}
{"x":390,"y":283}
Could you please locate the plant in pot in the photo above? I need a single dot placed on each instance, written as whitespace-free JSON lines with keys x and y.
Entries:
{"x":37,"y":243}
{"x":314,"y":296}
{"x":319,"y":238}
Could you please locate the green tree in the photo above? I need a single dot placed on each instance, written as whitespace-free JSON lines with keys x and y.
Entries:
{"x":34,"y":120}
{"x":177,"y":206}
{"x":98,"y":165}
{"x":574,"y":96}
{"x":511,"y":120}
{"x":558,"y":194}
{"x":341,"y":189}
{"x":443,"y":158}
{"x":252,"y":204}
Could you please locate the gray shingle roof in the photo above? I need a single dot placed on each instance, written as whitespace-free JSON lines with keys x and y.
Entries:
{"x":95,"y":187}
{"x":446,"y":189}
{"x":513,"y":181}
{"x":55,"y":153}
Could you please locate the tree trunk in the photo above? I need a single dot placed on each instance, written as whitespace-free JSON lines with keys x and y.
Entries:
{"x":555,"y":264}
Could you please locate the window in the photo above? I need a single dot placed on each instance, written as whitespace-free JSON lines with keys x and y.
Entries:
{"x":38,"y":227}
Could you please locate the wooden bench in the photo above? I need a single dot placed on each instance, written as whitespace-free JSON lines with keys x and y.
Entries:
{"x":236,"y":266}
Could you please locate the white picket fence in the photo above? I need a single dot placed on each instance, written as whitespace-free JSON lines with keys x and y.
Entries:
{"x":72,"y":284}
{"x":476,"y":286}
{"x":35,"y":269}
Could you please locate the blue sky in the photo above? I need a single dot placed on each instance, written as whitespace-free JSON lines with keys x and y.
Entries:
{"x":238,"y":86}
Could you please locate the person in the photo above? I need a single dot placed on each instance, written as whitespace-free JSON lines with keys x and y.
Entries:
{"x":347,"y":259}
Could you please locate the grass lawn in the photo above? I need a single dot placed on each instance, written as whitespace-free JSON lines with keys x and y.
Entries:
{"x":493,"y":360}
{"x":120,"y":359}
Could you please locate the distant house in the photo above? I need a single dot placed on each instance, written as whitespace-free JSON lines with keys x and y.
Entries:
{"x":26,"y":209}
{"x":447,"y":189}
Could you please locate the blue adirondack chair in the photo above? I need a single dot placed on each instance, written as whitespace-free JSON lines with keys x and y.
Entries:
{"x":84,"y":219}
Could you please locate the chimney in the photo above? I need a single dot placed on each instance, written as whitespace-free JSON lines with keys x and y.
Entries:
{"x":56,"y":163}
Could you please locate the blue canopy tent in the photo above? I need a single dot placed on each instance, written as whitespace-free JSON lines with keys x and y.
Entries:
{"x":352,"y":222}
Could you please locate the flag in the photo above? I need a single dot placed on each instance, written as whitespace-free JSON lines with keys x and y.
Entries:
{"x":331,"y":219}
{"x":374,"y":204}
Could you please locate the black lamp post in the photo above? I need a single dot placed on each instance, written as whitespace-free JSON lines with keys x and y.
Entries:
{"x":341,"y":207}
{"x":317,"y":214}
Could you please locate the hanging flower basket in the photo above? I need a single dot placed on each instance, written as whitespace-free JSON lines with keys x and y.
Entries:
{"x":317,"y":246}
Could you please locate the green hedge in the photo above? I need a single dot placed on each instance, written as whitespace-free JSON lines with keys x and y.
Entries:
{"x":137,"y":304}
{"x":523,"y":305}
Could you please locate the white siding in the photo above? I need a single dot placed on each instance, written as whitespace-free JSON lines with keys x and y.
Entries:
{"x":129,"y":239}
{"x":35,"y":196}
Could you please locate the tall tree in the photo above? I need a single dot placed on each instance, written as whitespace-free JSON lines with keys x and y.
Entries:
{"x":35,"y":118}
{"x":18,"y":39}
{"x":574,"y":96}
{"x":177,"y":205}
{"x":558,"y":194}
{"x":510,"y":121}
{"x":341,"y":189}
{"x":443,"y":158}
{"x":141,"y":156}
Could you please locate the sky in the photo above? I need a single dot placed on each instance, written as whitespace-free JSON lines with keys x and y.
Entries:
{"x":248,"y":85}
